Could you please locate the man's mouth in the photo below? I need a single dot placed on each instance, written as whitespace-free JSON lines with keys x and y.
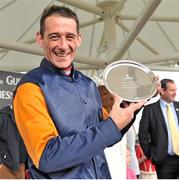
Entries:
{"x":62,"y":53}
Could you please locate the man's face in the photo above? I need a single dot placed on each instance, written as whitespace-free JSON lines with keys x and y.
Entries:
{"x":170,"y":93}
{"x":60,"y":40}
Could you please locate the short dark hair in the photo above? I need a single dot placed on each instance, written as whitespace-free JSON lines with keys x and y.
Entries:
{"x":57,"y":11}
{"x":164,"y":83}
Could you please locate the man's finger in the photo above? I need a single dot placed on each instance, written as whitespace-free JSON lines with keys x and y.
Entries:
{"x":136,"y":106}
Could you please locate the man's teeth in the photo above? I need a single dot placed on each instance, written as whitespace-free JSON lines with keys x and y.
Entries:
{"x":62,"y":54}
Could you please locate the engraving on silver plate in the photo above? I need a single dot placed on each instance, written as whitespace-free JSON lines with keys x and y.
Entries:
{"x":132,"y":81}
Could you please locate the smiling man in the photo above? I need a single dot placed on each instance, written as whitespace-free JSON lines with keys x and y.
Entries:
{"x":159,"y":131}
{"x":59,"y":37}
{"x":58,"y":109}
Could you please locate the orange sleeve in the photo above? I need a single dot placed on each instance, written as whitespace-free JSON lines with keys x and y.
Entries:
{"x":33,"y":121}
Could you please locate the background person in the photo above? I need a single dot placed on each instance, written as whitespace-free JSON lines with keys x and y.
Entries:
{"x":131,"y":142}
{"x":13,"y":154}
{"x":147,"y":169}
{"x":130,"y":174}
{"x":155,"y":132}
{"x":132,"y":161}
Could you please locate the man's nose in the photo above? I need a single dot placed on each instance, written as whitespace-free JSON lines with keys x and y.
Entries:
{"x":63,"y":43}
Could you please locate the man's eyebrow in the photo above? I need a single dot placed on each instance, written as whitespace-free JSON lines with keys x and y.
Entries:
{"x":57,"y":34}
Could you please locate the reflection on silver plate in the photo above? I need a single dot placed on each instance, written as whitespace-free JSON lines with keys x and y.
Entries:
{"x":132,"y":81}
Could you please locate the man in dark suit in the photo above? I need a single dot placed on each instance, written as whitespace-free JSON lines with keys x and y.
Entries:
{"x":155,"y":133}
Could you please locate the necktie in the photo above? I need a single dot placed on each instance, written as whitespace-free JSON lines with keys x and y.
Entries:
{"x":173,"y":129}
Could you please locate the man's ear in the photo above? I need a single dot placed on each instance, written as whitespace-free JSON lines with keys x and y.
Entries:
{"x":161,"y":91}
{"x":39,"y":40}
{"x":79,"y":40}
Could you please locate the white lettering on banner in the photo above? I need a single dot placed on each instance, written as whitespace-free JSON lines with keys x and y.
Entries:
{"x":12,"y":81}
{"x":6,"y":94}
{"x":1,"y":81}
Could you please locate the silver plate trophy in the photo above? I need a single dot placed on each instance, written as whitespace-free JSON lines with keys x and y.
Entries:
{"x":132,"y":81}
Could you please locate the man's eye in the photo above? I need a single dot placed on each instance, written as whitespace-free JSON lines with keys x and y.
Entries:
{"x":70,"y":38}
{"x":54,"y":38}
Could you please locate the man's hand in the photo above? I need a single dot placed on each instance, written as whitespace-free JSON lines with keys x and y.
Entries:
{"x":122,"y":116}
